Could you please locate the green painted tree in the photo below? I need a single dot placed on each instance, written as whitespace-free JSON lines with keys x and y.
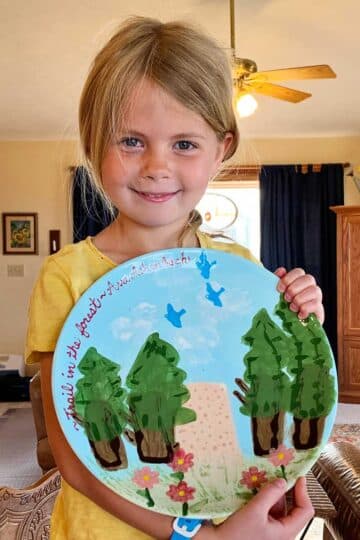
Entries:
{"x":313,"y":391}
{"x":100,"y":407}
{"x":156,"y":399}
{"x":265,"y":389}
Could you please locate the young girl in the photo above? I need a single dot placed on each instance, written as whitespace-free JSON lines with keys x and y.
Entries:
{"x":156,"y":122}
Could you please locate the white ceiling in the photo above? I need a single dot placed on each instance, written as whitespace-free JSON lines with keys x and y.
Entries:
{"x":47,"y":46}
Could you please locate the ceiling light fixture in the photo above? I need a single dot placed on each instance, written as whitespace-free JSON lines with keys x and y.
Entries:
{"x":246,"y":105}
{"x":248,"y":80}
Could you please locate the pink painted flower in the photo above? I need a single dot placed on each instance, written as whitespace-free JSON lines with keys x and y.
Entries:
{"x":181,"y":492}
{"x":145,"y":478}
{"x":253,"y":478}
{"x":182,"y":461}
{"x":281,"y":455}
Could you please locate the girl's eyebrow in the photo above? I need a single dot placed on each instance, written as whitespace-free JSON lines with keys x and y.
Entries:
{"x":188,"y":136}
{"x":130,"y":132}
{"x":135,"y":133}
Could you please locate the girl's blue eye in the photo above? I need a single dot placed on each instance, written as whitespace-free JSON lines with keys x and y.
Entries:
{"x":185,"y":145}
{"x":130,"y":141}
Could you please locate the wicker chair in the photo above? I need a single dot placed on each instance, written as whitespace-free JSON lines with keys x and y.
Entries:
{"x":25,"y":513}
{"x":338,"y":472}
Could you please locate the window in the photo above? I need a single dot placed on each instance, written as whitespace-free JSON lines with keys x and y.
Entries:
{"x":233,"y":209}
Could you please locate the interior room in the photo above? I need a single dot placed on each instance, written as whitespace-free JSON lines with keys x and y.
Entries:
{"x":46,"y":49}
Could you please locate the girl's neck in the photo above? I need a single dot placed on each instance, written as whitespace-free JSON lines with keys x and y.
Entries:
{"x":123,"y":240}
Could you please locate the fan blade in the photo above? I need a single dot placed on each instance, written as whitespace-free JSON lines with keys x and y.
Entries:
{"x":276,"y":91}
{"x":292,"y":74}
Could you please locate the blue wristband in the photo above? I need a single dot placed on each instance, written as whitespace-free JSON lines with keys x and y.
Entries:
{"x":185,"y":528}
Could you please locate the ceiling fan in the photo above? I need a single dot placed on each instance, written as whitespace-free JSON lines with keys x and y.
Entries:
{"x":247,"y":79}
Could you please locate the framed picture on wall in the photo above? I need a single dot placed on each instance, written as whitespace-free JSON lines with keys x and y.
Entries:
{"x":20,"y":233}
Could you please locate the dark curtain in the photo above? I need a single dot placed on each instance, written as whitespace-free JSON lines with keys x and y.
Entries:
{"x":90,"y":215}
{"x":299,"y":230}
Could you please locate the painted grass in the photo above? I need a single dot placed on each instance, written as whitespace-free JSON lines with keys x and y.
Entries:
{"x":218,"y":488}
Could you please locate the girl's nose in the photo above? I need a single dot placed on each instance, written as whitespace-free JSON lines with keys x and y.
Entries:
{"x":155,"y":165}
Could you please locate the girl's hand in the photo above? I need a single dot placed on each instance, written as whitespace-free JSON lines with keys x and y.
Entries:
{"x":302,"y":292}
{"x":256,"y":521}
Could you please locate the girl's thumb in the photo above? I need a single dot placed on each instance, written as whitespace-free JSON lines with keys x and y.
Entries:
{"x":270,"y":494}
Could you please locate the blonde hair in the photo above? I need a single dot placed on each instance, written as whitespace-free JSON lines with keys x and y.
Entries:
{"x":186,"y":63}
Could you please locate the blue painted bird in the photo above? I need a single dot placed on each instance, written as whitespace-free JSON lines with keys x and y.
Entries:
{"x":204,"y":265}
{"x":213,"y":295}
{"x":174,"y":316}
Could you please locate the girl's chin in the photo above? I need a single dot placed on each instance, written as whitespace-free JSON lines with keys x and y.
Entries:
{"x":156,"y":220}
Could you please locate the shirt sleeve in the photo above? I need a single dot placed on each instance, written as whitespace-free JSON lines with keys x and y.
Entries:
{"x":50,"y":303}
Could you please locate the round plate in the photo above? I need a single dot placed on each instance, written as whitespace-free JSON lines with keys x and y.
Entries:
{"x":184,"y":383}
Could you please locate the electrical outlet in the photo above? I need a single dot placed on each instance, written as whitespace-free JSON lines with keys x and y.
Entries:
{"x":15,"y":270}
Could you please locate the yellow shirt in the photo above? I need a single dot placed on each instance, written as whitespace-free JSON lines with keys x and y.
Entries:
{"x":63,"y":279}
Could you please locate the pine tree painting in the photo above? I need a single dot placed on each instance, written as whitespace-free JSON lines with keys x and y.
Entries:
{"x":100,"y":408}
{"x":313,"y":391}
{"x":264,"y":391}
{"x":156,"y":399}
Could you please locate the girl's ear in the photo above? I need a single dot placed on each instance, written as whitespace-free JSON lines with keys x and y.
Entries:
{"x":223,"y":148}
{"x":227,"y":142}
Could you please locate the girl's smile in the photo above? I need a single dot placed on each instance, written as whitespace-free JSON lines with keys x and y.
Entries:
{"x":156,"y":197}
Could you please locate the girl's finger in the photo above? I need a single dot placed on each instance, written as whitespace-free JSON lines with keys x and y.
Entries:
{"x":310,"y":294}
{"x":308,"y":301}
{"x":302,"y":512}
{"x":287,"y":279}
{"x":280,"y":272}
{"x":268,"y":496}
{"x":310,"y":307}
{"x":279,"y":508}
{"x":298,"y":285}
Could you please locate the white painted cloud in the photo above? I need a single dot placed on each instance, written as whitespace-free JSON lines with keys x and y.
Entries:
{"x":143,"y":323}
{"x":183,"y":344}
{"x":120,"y":322}
{"x":243,"y":306}
{"x":201,"y":357}
{"x":119,"y":326}
{"x":145,"y":308}
{"x":144,"y":318}
{"x":125,"y":336}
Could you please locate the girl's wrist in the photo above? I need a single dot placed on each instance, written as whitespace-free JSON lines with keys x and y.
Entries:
{"x":207,"y":532}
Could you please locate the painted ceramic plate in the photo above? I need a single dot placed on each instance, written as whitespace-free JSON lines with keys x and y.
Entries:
{"x":184,"y":383}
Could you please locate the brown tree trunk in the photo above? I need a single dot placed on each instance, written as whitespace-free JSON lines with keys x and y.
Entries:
{"x":152,"y":447}
{"x":308,"y":432}
{"x":267,"y":432}
{"x":110,"y":454}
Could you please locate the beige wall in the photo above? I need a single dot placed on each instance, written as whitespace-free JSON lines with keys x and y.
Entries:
{"x":34,"y":178}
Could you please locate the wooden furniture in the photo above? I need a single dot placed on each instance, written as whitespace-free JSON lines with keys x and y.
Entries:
{"x":25,"y":513}
{"x":43,"y":450}
{"x":348,"y":296}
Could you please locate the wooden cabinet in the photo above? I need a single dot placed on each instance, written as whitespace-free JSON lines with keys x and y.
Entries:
{"x":348,"y":296}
